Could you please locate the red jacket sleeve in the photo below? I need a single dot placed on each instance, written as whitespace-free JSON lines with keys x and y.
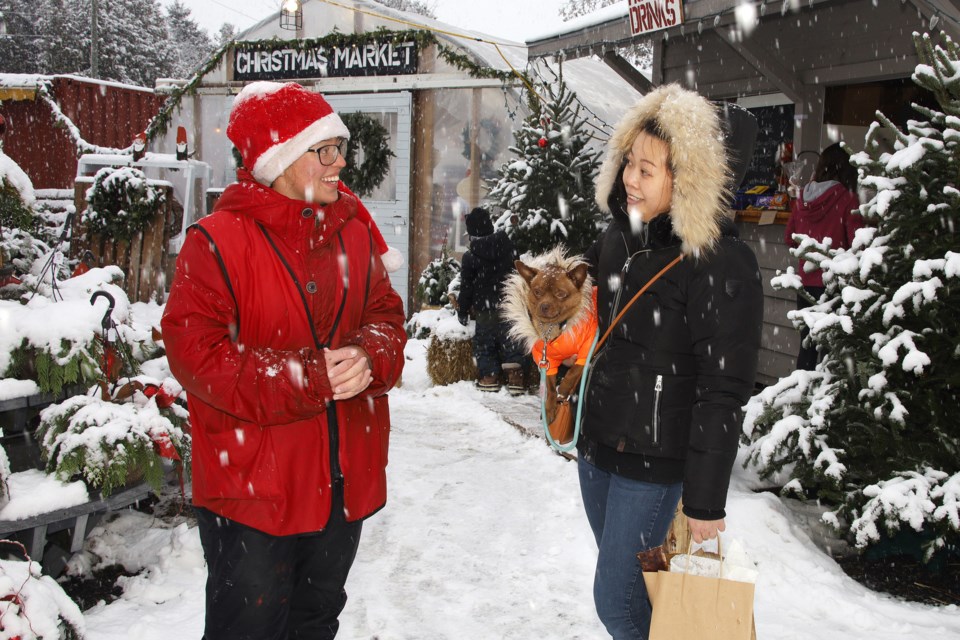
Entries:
{"x":381,"y":333}
{"x":198,"y":327}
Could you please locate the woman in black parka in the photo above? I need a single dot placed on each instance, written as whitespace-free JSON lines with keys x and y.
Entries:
{"x":663,"y":407}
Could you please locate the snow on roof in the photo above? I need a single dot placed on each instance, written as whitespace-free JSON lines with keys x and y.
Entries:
{"x":32,"y":80}
{"x":600,"y":16}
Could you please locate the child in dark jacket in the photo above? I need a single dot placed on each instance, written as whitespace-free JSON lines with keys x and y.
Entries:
{"x":484,"y":268}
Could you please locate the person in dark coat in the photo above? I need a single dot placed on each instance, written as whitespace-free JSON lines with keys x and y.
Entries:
{"x":662,"y":414}
{"x":827,"y":208}
{"x":484,"y":268}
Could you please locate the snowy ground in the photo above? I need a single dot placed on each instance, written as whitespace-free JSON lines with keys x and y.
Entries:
{"x":483,"y":538}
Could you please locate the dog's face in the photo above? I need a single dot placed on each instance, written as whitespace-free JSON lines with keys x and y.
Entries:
{"x":554,"y":294}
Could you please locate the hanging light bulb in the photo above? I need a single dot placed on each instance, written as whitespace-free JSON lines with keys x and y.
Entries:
{"x":935,"y":20}
{"x":291,"y":15}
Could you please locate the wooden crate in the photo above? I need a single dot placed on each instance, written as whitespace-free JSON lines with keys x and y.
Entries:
{"x":143,"y":259}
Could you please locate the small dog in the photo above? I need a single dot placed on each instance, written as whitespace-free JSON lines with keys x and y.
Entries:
{"x":550,"y":306}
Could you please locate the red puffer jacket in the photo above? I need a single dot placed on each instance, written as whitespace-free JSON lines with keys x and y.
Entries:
{"x":823,"y":210}
{"x":238,"y":335}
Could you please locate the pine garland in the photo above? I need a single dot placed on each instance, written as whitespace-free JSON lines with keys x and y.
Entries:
{"x":161,"y":122}
{"x":368,"y":134}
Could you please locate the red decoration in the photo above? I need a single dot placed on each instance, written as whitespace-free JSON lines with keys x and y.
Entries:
{"x":164,"y":398}
{"x":181,"y":143}
{"x":542,"y":142}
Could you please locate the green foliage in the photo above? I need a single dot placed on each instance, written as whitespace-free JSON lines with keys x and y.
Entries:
{"x":121,"y":203}
{"x":547,"y":193}
{"x":53,"y":372}
{"x":873,"y":432}
{"x":368,"y":134}
{"x":110,"y":443}
{"x":14,"y":213}
{"x":436,"y":278}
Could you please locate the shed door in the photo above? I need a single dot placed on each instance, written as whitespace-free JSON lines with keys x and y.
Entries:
{"x":390,"y":202}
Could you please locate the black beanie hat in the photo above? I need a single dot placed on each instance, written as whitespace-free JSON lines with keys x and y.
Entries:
{"x":479,"y":223}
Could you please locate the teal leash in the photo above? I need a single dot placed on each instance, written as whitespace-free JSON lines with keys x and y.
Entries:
{"x":563,"y":448}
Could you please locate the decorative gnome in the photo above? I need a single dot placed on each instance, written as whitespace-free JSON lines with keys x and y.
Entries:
{"x":182,"y":144}
{"x":139,"y":146}
{"x":267,"y":153}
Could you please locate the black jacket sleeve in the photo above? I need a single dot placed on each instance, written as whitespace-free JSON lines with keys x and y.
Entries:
{"x":468,"y":278}
{"x":725,"y":316}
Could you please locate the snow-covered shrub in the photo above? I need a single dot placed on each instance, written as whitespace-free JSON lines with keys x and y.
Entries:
{"x":55,"y":337}
{"x":110,"y":439}
{"x":874,"y":430}
{"x":121,"y":203}
{"x":435,"y":279}
{"x":34,"y":607}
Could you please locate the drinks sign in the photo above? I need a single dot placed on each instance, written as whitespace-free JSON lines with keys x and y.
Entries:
{"x":654,"y":15}
{"x":284,"y":63}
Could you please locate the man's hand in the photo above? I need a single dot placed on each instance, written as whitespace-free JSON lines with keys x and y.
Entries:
{"x":705,"y":529}
{"x":348,"y":370}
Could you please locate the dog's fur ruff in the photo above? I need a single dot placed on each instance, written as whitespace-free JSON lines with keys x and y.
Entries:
{"x":525,"y":328}
{"x":698,"y":159}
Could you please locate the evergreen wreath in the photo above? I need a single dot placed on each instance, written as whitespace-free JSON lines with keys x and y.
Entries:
{"x":367,"y":133}
{"x":121,"y":203}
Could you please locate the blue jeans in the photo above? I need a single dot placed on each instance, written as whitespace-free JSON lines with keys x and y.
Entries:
{"x":627,"y":516}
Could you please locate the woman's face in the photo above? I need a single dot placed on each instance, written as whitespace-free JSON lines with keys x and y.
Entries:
{"x":647,"y":177}
{"x":309,"y":180}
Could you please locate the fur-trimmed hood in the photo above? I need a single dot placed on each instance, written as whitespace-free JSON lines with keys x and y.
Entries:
{"x":514,"y":305}
{"x":691,"y":125}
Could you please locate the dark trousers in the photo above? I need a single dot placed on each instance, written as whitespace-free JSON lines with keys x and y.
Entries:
{"x":808,"y":357}
{"x":492,"y":348}
{"x":264,"y":587}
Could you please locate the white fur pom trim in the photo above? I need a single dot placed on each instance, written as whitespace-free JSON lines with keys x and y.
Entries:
{"x":392,"y":259}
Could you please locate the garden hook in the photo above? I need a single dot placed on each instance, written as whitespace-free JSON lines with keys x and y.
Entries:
{"x":107,"y":321}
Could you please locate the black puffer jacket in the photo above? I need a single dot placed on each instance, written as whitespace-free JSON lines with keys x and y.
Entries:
{"x":483,"y":270}
{"x":689,"y":345}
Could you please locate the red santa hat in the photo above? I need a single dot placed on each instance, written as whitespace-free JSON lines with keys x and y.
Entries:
{"x":272,"y":124}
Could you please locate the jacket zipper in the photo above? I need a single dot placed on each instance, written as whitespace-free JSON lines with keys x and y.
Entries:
{"x":657,"y":393}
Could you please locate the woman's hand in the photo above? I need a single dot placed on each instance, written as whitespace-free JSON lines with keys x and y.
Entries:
{"x":705,"y":529}
{"x":348,"y":370}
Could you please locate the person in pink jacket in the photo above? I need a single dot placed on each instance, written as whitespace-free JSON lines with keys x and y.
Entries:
{"x":826,"y":208}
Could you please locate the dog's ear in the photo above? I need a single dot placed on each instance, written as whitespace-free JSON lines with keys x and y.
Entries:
{"x":578,"y":275}
{"x":527,"y":273}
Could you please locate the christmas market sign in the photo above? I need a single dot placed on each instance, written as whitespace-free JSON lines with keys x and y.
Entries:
{"x":283,"y":62}
{"x":654,"y":15}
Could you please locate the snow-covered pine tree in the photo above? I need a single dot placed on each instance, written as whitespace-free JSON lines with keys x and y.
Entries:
{"x":546,"y":194}
{"x":412,"y":6}
{"x":191,"y":44}
{"x":874,"y":430}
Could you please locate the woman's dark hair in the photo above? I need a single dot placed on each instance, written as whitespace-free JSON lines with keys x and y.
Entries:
{"x":834,"y":164}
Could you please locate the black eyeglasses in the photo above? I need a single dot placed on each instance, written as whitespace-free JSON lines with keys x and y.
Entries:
{"x":329,"y":153}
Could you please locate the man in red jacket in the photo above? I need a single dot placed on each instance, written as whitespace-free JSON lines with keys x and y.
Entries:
{"x":282,"y":326}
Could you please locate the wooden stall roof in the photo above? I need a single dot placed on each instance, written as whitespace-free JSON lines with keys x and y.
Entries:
{"x":821,"y":42}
